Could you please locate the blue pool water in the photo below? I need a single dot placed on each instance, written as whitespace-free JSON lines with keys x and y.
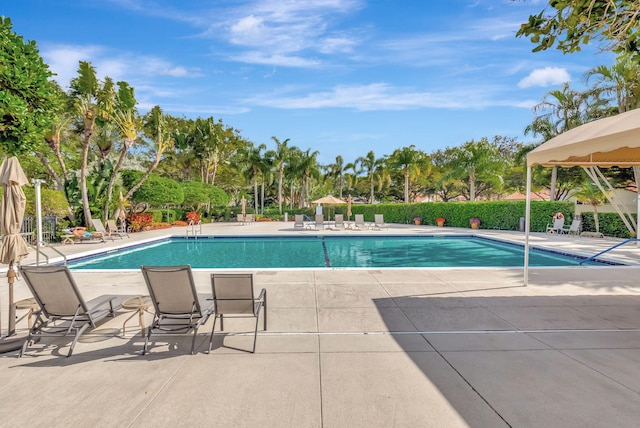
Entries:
{"x":323,"y":251}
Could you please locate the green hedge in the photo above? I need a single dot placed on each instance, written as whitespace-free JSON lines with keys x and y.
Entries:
{"x":610,"y":224}
{"x":157,"y":215}
{"x":504,"y":215}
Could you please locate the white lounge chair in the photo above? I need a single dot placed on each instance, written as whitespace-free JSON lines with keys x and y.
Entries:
{"x":115,"y":230}
{"x":299,"y":222}
{"x":359,"y":222}
{"x":558,"y":224}
{"x":97,"y":224}
{"x":339,"y":221}
{"x":319,"y":221}
{"x":574,"y":229}
{"x":379,"y":221}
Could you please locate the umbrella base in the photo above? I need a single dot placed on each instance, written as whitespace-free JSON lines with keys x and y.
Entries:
{"x":12,"y":343}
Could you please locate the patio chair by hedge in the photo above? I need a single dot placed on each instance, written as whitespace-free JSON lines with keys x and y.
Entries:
{"x":233,"y":297}
{"x":378,"y":222}
{"x":175,"y":300}
{"x":339,"y":218}
{"x":574,"y":228}
{"x":319,"y":221}
{"x":558,"y":224}
{"x":60,"y":301}
{"x":299,"y":222}
{"x":359,"y":222}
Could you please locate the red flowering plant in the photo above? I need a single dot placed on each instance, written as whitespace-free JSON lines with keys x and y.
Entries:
{"x":192,"y":216}
{"x":139,"y":221}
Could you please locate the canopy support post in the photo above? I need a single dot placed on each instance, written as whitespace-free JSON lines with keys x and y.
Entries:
{"x":527,"y":224}
{"x":598,"y":178}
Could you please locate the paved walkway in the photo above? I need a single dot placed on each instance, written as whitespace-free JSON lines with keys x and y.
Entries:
{"x":358,"y":348}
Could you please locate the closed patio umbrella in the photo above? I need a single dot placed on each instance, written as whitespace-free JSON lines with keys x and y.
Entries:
{"x":244,"y":207}
{"x":349,"y":202}
{"x":13,"y":247}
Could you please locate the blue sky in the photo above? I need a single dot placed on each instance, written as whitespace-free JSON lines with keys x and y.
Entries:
{"x":339,"y":76}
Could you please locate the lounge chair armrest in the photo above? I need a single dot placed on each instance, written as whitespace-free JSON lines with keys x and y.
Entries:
{"x":262,"y":295}
{"x":102,"y":302}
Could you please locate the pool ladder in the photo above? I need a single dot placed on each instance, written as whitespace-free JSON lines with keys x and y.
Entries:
{"x":194,"y":228}
{"x":609,"y":249}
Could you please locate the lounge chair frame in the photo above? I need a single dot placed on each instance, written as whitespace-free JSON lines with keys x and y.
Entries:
{"x":114,"y":230}
{"x":359,"y":222}
{"x":66,"y":305}
{"x":233,"y":296}
{"x":176,"y":303}
{"x":99,"y":227}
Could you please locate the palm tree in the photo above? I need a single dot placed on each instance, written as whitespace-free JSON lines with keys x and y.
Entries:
{"x":87,"y":95}
{"x":406,"y":159}
{"x":281,"y":157}
{"x":267,"y":169}
{"x":369,"y":164}
{"x":337,"y":170}
{"x":125,"y":116}
{"x":309,"y":167}
{"x":157,"y":129}
{"x":590,"y":193}
{"x":559,"y":111}
{"x":621,"y":82}
{"x":249,"y":160}
{"x":472,"y":159}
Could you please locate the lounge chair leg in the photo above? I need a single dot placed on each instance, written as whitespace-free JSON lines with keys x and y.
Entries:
{"x":25,"y":345}
{"x":146,"y":340}
{"x":255,"y":335}
{"x":264,"y":310}
{"x":213,"y":329}
{"x":75,"y":339}
{"x":193,"y":341}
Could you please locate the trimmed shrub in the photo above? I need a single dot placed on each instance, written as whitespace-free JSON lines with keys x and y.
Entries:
{"x":139,"y":221}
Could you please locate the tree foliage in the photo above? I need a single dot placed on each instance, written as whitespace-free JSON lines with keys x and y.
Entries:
{"x":570,"y":24}
{"x":28,"y":99}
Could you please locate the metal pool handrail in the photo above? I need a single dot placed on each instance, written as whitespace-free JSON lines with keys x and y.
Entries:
{"x":608,"y":249}
{"x":191,"y":228}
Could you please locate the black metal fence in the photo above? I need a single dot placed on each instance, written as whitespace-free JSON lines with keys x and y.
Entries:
{"x":49,"y":226}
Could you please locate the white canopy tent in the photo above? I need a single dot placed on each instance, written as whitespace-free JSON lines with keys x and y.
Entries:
{"x":613,"y":141}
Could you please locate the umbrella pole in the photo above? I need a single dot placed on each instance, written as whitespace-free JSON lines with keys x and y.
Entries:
{"x":11,"y":277}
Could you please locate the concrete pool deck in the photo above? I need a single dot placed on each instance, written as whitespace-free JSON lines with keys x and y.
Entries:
{"x":357,"y":348}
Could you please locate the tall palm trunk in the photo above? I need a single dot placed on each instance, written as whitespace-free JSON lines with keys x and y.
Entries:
{"x":114,"y":176}
{"x":406,"y":185}
{"x":88,"y":131}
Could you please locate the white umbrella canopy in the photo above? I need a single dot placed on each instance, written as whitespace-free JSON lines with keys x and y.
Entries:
{"x":13,"y":247}
{"x":612,"y":141}
{"x":329,"y":200}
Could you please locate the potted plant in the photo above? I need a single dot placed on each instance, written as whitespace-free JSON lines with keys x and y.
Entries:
{"x":417,"y":220}
{"x":440,"y":221}
{"x":474,"y":223}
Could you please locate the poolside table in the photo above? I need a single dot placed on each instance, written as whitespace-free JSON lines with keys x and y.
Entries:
{"x":139,"y":304}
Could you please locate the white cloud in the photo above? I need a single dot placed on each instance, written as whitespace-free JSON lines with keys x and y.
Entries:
{"x":256,"y":57}
{"x":545,"y":77}
{"x":63,"y":60}
{"x":381,"y":97}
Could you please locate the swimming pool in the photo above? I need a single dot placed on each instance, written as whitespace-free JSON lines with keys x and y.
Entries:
{"x":325,"y":252}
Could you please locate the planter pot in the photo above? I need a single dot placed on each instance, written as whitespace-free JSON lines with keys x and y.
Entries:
{"x":440,"y":223}
{"x":474,"y":225}
{"x":417,"y":222}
